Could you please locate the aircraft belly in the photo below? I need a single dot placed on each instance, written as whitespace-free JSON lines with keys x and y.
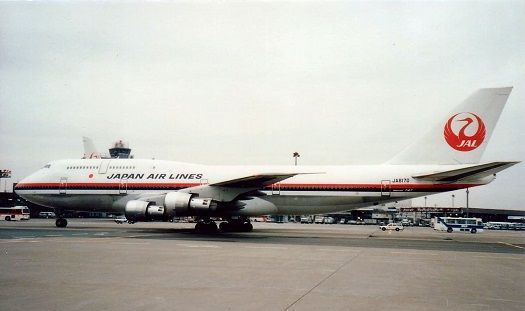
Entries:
{"x":297,"y":205}
{"x":77,"y":202}
{"x":318,"y":204}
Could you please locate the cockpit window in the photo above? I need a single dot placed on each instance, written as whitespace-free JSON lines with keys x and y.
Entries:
{"x":47,"y":166}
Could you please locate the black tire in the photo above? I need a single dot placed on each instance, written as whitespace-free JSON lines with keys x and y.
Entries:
{"x":473,"y":230}
{"x":61,"y":222}
{"x":224,"y":226}
{"x":397,"y":229}
{"x":247,"y":227}
{"x":211,"y":227}
{"x":199,"y":227}
{"x":384,"y":229}
{"x":7,"y":218}
{"x":449,"y":230}
{"x":202,"y":227}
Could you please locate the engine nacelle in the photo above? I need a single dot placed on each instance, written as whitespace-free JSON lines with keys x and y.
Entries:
{"x":137,"y":210}
{"x":180,"y":203}
{"x":255,"y":206}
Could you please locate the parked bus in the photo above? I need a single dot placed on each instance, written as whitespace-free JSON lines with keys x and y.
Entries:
{"x":450,"y":224}
{"x":14,"y":213}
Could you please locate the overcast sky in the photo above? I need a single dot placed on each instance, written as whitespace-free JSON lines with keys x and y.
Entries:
{"x":250,"y":83}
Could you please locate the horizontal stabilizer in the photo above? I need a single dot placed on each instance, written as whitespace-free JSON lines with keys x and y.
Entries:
{"x":476,"y":171}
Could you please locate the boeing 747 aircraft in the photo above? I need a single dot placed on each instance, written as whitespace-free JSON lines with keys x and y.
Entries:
{"x":445,"y":159}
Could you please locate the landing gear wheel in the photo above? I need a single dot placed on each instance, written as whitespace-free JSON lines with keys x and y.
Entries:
{"x":61,"y":222}
{"x":247,"y":227}
{"x":203,"y":227}
{"x":449,"y":230}
{"x":225,"y":226}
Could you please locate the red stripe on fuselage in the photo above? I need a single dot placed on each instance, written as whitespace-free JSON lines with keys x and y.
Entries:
{"x":353,"y":187}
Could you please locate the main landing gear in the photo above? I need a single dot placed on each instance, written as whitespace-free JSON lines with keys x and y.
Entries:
{"x":241,"y":224}
{"x":206,"y":226}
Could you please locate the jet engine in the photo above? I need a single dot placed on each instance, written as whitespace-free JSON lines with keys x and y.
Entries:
{"x":180,"y":203}
{"x":175,"y":203}
{"x":137,"y":210}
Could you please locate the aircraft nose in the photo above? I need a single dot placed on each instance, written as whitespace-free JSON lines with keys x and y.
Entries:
{"x":23,"y":187}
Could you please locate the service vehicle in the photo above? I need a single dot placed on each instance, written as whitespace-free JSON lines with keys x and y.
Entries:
{"x":14,"y":213}
{"x":329,"y":220}
{"x":46,"y":215}
{"x":451,"y":224}
{"x":392,"y":226}
{"x":306,"y":220}
{"x":319,"y":219}
{"x":120,"y":220}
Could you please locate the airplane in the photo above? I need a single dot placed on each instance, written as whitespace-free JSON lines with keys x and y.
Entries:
{"x":90,"y":151}
{"x":445,"y":159}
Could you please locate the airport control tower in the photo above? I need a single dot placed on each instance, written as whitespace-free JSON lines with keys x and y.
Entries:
{"x":120,"y":150}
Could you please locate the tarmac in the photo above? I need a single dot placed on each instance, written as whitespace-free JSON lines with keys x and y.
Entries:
{"x":96,"y":264}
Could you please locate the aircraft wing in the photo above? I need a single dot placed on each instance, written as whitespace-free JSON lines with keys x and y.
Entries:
{"x":255,"y":181}
{"x":476,"y":171}
{"x":229,"y":189}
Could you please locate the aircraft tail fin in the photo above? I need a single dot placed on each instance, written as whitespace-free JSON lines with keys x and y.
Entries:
{"x":462,"y":135}
{"x":90,"y":152}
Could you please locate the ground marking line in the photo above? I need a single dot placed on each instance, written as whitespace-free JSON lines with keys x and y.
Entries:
{"x":198,"y":246}
{"x":266,"y":247}
{"x":322,"y":281}
{"x":409,"y":253}
{"x":497,"y":257}
{"x":508,"y":244}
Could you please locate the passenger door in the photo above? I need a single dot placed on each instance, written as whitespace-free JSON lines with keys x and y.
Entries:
{"x":63,"y":185}
{"x":276,"y":189}
{"x":103,"y":169}
{"x":123,"y":186}
{"x":386,"y":188}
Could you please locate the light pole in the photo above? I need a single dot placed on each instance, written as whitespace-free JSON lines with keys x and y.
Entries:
{"x":452,"y":207}
{"x":426,"y":212}
{"x":467,"y":201}
{"x":296,"y":155}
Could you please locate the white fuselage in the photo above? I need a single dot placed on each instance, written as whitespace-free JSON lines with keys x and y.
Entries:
{"x":107,"y":184}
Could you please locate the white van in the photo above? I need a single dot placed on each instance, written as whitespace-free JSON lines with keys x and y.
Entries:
{"x":46,"y":215}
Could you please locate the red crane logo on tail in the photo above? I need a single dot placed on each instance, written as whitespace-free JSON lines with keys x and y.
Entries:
{"x":470,"y":131}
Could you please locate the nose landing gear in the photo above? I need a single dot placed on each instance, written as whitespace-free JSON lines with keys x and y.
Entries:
{"x":61,"y":222}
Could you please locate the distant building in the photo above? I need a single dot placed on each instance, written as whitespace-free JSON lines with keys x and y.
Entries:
{"x":120,"y":150}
